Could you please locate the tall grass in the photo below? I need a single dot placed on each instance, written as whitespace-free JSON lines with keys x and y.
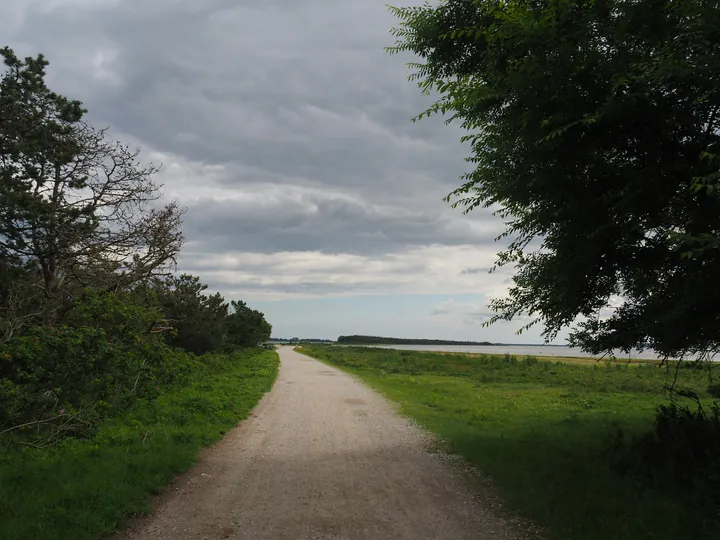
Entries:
{"x":544,"y":431}
{"x":84,"y":488}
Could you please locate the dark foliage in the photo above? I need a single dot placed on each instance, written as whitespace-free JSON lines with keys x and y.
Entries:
{"x":594,"y":133}
{"x":679,"y":454}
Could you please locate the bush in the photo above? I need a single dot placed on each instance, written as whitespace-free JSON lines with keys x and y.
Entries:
{"x":73,"y":372}
{"x":63,"y":380}
{"x":680,"y":454}
{"x":82,"y":489}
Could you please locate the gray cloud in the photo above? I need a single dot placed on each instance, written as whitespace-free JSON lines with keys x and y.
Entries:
{"x":308,"y":288}
{"x":472,"y":271}
{"x":283,"y":125}
{"x":312,"y":221}
{"x":292,"y":89}
{"x":477,"y":317}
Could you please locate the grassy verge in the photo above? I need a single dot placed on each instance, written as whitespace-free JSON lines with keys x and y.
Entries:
{"x":83,"y":489}
{"x":542,"y":431}
{"x":577,"y":360}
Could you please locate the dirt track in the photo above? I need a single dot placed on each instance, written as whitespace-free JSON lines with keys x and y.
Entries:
{"x":322,"y":457}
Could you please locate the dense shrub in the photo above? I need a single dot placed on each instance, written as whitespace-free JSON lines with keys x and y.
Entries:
{"x":84,"y":488}
{"x":61,"y":380}
{"x":679,"y":454}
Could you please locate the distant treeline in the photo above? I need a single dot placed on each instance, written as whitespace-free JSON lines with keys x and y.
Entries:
{"x":313,"y":340}
{"x":377,"y":340}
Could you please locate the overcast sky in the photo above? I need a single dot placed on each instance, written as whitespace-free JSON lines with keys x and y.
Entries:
{"x":285,"y":129}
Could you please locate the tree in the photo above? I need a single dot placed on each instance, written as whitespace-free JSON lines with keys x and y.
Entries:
{"x":198,"y":319}
{"x":80,"y":207}
{"x":593,"y":129}
{"x":246,"y":327}
{"x":206,"y":323}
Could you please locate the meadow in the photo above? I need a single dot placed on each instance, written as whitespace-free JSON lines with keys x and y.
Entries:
{"x":86,"y":488}
{"x":558,"y":439}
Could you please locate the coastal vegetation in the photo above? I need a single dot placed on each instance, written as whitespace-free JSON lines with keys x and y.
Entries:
{"x":114,"y":370}
{"x":572,"y":447}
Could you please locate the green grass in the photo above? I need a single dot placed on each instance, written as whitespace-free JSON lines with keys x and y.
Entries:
{"x":582,"y":360}
{"x":542,"y":431}
{"x":84,"y":489}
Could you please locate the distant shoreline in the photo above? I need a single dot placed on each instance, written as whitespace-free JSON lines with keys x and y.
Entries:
{"x":379,"y":340}
{"x":471,"y":343}
{"x":384,"y":340}
{"x":419,"y":341}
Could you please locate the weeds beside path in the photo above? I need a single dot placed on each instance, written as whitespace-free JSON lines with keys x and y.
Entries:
{"x":83,"y":489}
{"x":543,"y":432}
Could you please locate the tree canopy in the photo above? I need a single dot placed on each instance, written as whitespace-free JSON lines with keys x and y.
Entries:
{"x":593,"y":132}
{"x":78,"y":207}
{"x":91,"y":314}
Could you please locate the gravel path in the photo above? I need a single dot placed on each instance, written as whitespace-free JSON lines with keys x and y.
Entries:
{"x":321,"y":457}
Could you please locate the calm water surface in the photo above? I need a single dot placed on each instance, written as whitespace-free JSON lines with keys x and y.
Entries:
{"x":517,"y":350}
